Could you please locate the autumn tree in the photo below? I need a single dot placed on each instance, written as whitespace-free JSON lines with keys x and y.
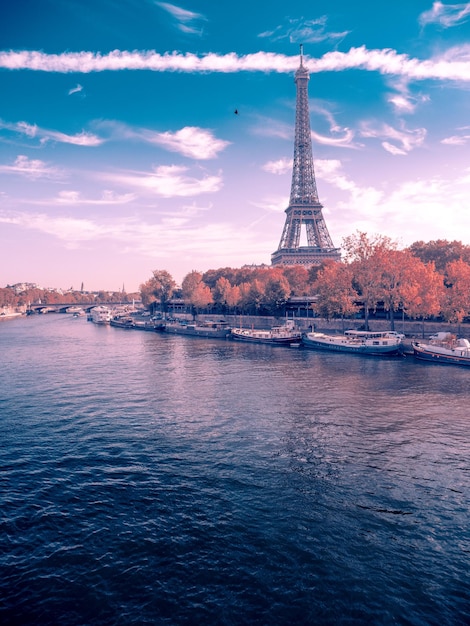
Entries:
{"x":276,"y":294}
{"x":211,"y":277}
{"x":423,"y":296}
{"x":251,"y":296}
{"x":298,"y":279}
{"x":335,"y":294}
{"x":399,"y":271}
{"x":456,"y":303}
{"x":159,"y":288}
{"x":224,"y":294}
{"x":440,"y":252}
{"x":196,"y":293}
{"x":7,"y":297}
{"x":365,"y":256}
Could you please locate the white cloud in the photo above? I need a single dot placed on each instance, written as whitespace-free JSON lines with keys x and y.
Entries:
{"x":80,"y":139}
{"x":345,"y":140}
{"x":168,"y":181}
{"x":407,"y":140}
{"x":76,"y":89}
{"x":389,"y":147}
{"x":456,"y":140}
{"x":186,"y":21}
{"x":446,"y":15}
{"x":414,"y":206}
{"x":33,"y":131}
{"x":193,"y":142}
{"x":107,"y":197}
{"x":30,"y":168}
{"x":216,"y":243}
{"x":301,"y":30}
{"x":281,"y":166}
{"x":30,"y":130}
{"x":402,"y":104}
{"x":454,"y":64}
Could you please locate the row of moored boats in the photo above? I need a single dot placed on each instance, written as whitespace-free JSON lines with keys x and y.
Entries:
{"x":440,"y":348}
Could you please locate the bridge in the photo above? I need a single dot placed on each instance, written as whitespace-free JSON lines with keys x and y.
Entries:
{"x":63,"y":306}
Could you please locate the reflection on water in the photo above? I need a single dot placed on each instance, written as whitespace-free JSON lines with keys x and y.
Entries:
{"x":165,"y":479}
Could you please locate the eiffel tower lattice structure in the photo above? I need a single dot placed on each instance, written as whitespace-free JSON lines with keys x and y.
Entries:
{"x":304,"y":210}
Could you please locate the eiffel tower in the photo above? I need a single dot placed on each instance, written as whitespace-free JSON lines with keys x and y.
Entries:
{"x":304,"y":207}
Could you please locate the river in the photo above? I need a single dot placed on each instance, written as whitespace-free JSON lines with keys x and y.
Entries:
{"x":155,"y":479}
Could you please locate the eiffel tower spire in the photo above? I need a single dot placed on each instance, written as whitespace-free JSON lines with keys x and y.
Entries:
{"x":304,"y":208}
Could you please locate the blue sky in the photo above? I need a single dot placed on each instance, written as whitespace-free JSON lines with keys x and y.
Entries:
{"x":120,"y":151}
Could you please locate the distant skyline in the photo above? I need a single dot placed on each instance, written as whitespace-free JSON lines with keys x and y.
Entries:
{"x":121,"y":152}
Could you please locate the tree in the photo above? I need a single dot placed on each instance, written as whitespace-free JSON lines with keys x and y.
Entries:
{"x":422,"y":296}
{"x":251,"y":296}
{"x":398,"y":273}
{"x":298,"y":278}
{"x":276,"y":294}
{"x":456,"y":303}
{"x":335,"y":294}
{"x":366,"y":258}
{"x":225,"y":294}
{"x":159,"y":288}
{"x":195,"y":292}
{"x":440,"y":252}
{"x":7,"y":297}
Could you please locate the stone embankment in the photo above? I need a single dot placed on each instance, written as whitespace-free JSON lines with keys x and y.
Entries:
{"x":412,"y":329}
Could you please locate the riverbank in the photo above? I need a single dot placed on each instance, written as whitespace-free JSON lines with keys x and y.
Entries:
{"x":413,"y":329}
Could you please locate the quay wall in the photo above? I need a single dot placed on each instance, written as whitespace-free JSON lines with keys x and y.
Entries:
{"x":410,"y":328}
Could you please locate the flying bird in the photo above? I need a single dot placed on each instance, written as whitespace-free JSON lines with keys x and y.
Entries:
{"x":236,"y":111}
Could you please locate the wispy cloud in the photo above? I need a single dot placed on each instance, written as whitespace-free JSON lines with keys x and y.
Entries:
{"x":107,"y":197}
{"x":168,"y":181}
{"x":76,"y":89}
{"x":281,"y":166}
{"x":190,"y":141}
{"x":458,"y":140}
{"x":31,"y":168}
{"x":186,"y":21}
{"x":217,"y":242}
{"x":396,"y":141}
{"x":454,"y":64}
{"x":401,"y":210}
{"x":340,"y":138}
{"x":301,"y":30}
{"x":31,"y":130}
{"x":446,"y":15}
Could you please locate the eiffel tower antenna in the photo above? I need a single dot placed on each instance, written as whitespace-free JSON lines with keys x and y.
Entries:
{"x":304,"y":210}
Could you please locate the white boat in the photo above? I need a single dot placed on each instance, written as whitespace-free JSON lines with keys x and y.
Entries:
{"x":380,"y":343}
{"x":100,"y":315}
{"x":76,"y":311}
{"x":443,"y":348}
{"x":278,"y":335}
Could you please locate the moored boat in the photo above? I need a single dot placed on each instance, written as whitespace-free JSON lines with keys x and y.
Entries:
{"x":128,"y":322}
{"x":217,"y":330}
{"x":76,"y":311}
{"x":383,"y":343}
{"x":285,"y":334}
{"x":447,"y":350}
{"x":100,"y":315}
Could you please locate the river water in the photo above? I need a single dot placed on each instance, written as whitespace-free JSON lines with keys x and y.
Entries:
{"x":154,"y":479}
